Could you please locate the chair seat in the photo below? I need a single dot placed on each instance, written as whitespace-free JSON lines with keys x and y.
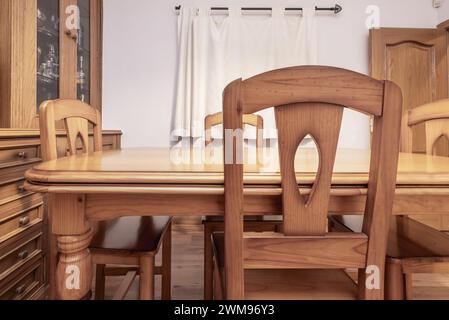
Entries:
{"x":291,"y":284}
{"x":130,"y":234}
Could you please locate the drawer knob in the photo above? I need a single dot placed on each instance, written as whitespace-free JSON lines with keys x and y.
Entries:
{"x":24,"y":221}
{"x":21,"y":189}
{"x":72,"y":33}
{"x":22,"y":155}
{"x":20,"y":290}
{"x":23,"y":255}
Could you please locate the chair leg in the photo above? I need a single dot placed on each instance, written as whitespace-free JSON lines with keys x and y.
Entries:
{"x":217,"y":285}
{"x":409,"y":286}
{"x":146,"y":271}
{"x":166,"y":264}
{"x":208,"y":263}
{"x":395,"y":284}
{"x":100,"y":279}
{"x":125,"y":286}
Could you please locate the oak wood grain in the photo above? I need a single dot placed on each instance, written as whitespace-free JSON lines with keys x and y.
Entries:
{"x":307,"y":216}
{"x":18,"y":47}
{"x":312,"y":84}
{"x":276,"y":251}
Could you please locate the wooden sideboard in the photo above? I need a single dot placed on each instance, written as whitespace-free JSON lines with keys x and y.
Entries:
{"x":23,"y":215}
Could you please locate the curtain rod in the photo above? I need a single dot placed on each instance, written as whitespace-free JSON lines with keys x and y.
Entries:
{"x":337,"y":9}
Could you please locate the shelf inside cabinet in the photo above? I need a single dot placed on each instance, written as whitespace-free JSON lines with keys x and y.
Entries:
{"x":83,"y":51}
{"x":46,"y":79}
{"x":48,"y":31}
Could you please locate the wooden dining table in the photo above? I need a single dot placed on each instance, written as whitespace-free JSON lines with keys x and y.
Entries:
{"x":100,"y":186}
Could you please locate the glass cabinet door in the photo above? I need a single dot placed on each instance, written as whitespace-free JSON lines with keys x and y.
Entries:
{"x":47,"y":50}
{"x":83,"y":48}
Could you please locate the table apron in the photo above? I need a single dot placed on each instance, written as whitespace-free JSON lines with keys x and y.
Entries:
{"x":101,"y":207}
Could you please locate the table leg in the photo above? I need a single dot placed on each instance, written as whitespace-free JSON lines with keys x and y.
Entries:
{"x":52,"y":261}
{"x":74,"y":234}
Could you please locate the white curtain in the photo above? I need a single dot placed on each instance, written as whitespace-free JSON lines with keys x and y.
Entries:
{"x":215,"y":50}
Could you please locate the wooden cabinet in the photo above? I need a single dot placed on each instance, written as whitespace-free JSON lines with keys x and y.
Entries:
{"x":49,"y":49}
{"x":23,"y":214}
{"x":416,"y":60}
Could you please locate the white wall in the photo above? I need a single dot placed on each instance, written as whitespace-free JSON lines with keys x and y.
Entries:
{"x":140,"y":58}
{"x":443,"y":11}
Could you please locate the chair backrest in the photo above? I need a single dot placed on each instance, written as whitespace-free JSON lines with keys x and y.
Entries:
{"x":249,"y":119}
{"x":435,"y":115}
{"x":311,"y":100}
{"x":76,"y":116}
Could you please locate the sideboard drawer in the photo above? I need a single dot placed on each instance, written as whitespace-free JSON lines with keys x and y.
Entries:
{"x":25,"y":284}
{"x":18,"y":155}
{"x":17,"y":254}
{"x":12,"y":206}
{"x":20,"y":222}
{"x":12,"y":190}
{"x":15,"y":172}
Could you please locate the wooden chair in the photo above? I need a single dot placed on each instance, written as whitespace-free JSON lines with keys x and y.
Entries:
{"x":304,"y":260}
{"x":216,"y":224}
{"x":132,"y":241}
{"x":249,"y":119}
{"x":414,"y":247}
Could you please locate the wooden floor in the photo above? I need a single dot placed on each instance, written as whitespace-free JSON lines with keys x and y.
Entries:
{"x":187,"y":268}
{"x":188,"y":273}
